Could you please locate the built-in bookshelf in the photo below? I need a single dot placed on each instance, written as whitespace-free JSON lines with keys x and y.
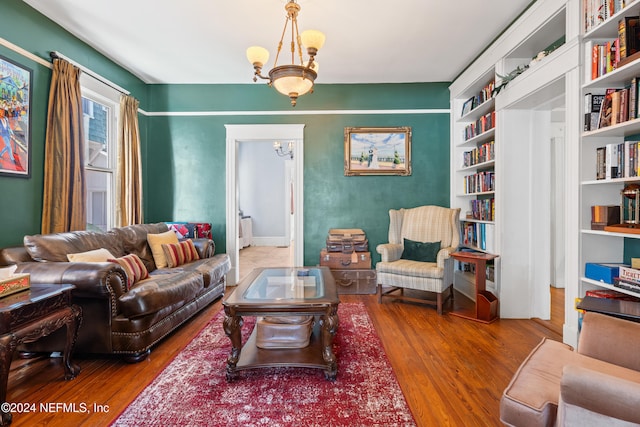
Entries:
{"x":500,"y":172}
{"x":474,"y":177}
{"x":609,"y":143}
{"x":473,"y":174}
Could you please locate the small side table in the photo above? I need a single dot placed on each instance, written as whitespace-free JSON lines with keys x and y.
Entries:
{"x":486,"y":306}
{"x":30,"y":315}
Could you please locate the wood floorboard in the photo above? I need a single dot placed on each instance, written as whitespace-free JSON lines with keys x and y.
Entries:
{"x":452,"y":371}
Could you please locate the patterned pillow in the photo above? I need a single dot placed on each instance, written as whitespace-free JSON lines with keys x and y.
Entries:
{"x":134,"y":267}
{"x":180,"y":253}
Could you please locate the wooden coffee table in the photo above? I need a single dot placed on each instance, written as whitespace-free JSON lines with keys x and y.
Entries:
{"x":283,"y":292}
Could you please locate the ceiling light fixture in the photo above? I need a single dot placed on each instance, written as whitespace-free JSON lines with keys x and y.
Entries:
{"x":292,"y":80}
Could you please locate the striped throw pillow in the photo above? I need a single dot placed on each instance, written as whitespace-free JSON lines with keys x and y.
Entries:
{"x":134,"y":267}
{"x":180,"y":253}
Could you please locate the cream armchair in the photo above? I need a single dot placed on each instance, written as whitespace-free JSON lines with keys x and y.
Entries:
{"x":417,"y":227}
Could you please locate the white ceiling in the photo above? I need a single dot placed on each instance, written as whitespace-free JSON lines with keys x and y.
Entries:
{"x":368,"y":41}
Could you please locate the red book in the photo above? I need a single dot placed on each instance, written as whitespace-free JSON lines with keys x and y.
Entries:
{"x":594,"y":62}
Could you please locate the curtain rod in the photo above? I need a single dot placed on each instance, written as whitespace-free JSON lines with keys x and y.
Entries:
{"x":85,"y":70}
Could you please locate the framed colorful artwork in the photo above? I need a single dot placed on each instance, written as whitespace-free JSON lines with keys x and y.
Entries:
{"x":377,"y":151}
{"x":15,"y":119}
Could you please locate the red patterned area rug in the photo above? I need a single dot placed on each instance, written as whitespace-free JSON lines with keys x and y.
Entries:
{"x":192,"y":389}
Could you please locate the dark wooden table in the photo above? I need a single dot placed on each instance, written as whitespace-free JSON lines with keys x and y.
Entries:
{"x":30,"y":315}
{"x":254,"y":296}
{"x":628,"y":310}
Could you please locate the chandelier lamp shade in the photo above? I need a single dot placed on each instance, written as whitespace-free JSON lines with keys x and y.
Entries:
{"x":294,"y":79}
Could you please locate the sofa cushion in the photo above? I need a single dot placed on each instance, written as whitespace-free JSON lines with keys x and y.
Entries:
{"x":407,"y":267}
{"x":134,"y":267}
{"x":95,"y":255}
{"x":134,"y":240}
{"x":156,"y":241}
{"x":212,"y":269}
{"x":180,"y":253}
{"x":531,"y":399}
{"x":160,"y":291}
{"x":55,"y":247}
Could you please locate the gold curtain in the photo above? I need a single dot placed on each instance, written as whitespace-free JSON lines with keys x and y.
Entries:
{"x":129,"y":200}
{"x":64,"y":207}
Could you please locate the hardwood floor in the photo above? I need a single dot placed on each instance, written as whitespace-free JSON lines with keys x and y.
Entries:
{"x":264,"y":256}
{"x":452,"y":371}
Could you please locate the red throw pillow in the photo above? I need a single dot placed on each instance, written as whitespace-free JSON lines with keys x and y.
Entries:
{"x":180,"y":253}
{"x":134,"y":267}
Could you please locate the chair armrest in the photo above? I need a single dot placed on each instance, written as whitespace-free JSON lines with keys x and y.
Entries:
{"x":91,"y":279}
{"x":444,"y":254}
{"x":586,"y":394}
{"x":602,"y":337}
{"x":389,"y":251}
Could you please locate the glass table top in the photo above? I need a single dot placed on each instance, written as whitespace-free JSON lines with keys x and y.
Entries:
{"x":286,"y":284}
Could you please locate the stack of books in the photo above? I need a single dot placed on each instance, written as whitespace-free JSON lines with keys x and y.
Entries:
{"x":629,"y":279}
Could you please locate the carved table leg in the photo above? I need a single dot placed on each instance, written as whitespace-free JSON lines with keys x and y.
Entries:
{"x":328,"y":328}
{"x":8,"y":344}
{"x":71,"y":370}
{"x":233,"y":328}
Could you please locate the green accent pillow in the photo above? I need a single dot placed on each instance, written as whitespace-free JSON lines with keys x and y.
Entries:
{"x":420,"y":251}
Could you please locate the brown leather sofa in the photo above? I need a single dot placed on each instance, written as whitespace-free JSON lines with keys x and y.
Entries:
{"x":118,"y":321}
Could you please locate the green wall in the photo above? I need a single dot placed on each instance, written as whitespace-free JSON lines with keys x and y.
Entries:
{"x":21,"y":208}
{"x":186,"y":154}
{"x":183,"y":142}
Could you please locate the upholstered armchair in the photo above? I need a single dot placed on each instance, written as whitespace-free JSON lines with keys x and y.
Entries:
{"x":417,"y":255}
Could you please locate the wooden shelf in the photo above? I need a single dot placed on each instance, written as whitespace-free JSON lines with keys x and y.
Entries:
{"x":486,"y":305}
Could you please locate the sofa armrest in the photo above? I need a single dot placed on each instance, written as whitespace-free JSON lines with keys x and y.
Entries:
{"x":603,"y":337}
{"x":91,"y":279}
{"x":206,"y":247}
{"x":389,"y":251}
{"x":589,"y":397}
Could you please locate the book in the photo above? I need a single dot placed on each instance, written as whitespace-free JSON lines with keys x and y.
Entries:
{"x":601,"y":170}
{"x":633,"y":99}
{"x":604,"y":118}
{"x":592,"y":103}
{"x":623,"y":111}
{"x":611,"y":161}
{"x":626,"y":285}
{"x":615,"y":107}
{"x":629,"y":274}
{"x":627,"y":29}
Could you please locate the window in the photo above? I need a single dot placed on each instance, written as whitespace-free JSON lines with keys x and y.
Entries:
{"x":100,"y":105}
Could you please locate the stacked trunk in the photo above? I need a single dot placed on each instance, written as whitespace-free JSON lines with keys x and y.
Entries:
{"x":347,"y":255}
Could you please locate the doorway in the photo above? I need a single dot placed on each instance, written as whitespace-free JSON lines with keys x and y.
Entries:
{"x":241,"y":134}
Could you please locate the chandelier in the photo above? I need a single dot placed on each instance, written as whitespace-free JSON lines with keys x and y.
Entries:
{"x":292,"y":80}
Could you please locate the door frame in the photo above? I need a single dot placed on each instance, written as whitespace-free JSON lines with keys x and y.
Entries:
{"x":244,"y":133}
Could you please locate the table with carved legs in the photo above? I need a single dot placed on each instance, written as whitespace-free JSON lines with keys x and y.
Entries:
{"x":269,"y":292}
{"x":29,"y":315}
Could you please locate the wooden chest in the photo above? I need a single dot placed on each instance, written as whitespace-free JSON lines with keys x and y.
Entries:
{"x":342,"y":261}
{"x":355,"y":281}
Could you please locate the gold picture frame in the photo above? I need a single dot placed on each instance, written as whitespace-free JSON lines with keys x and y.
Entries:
{"x":377,"y":151}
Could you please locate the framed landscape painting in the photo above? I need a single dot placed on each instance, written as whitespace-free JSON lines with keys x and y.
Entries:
{"x":15,"y":119}
{"x":377,"y":151}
